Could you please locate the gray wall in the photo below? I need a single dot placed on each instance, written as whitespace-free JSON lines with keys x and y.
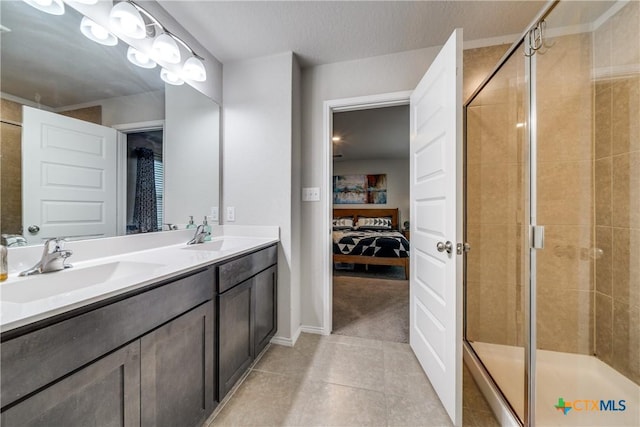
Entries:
{"x":381,"y":74}
{"x":261,"y":143}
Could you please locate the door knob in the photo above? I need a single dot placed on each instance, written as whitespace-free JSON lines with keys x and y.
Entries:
{"x":33,"y":229}
{"x":445,"y":247}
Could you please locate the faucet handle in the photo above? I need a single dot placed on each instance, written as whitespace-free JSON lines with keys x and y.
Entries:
{"x":57,"y":241}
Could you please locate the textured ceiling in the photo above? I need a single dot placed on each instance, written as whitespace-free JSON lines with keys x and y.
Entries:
{"x":379,"y":133}
{"x":330,"y":31}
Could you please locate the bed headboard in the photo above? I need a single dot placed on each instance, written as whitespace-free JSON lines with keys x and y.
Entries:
{"x":368,"y":213}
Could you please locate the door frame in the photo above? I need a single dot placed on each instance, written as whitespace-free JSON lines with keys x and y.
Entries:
{"x":366,"y":102}
{"x":121,"y":166}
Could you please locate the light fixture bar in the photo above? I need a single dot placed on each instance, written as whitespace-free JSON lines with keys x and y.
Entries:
{"x":164,"y":29}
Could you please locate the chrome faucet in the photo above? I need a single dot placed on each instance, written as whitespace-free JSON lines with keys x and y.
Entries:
{"x":53,"y":258}
{"x":199,"y":236}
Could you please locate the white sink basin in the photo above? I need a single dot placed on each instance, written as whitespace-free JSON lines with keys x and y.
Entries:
{"x":61,"y":282}
{"x":224,"y":244}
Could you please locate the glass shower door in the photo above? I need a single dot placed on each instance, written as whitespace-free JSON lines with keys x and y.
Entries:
{"x":587,"y":87}
{"x":496,"y":228}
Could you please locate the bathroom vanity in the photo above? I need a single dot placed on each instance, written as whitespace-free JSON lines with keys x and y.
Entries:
{"x":163,"y":353}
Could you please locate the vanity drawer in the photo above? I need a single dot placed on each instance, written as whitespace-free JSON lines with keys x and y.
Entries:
{"x":40,"y":357}
{"x":240,"y":269}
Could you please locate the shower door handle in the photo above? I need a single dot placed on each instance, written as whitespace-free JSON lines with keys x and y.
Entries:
{"x":445,"y":247}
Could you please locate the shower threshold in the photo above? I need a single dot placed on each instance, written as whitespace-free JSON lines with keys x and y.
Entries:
{"x":575,"y":378}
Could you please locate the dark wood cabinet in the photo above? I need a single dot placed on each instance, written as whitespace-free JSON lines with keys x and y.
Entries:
{"x":177,"y":374}
{"x":236,"y":328}
{"x":246,"y":313}
{"x":103,"y":393}
{"x":265,"y":287}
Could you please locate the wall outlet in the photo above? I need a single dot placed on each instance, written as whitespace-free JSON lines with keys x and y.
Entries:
{"x":231,"y":213}
{"x":214,"y":213}
{"x":311,"y":194}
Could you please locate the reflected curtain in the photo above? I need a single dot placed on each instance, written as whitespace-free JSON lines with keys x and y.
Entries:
{"x":145,"y":215}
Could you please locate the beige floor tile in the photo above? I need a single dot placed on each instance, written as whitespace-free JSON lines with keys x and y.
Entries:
{"x":340,"y":381}
{"x":286,"y":360}
{"x":403,"y":376}
{"x":349,"y":365}
{"x":416,"y":411}
{"x":336,"y":405}
{"x":354,"y":341}
{"x":396,"y":346}
{"x":267,"y":399}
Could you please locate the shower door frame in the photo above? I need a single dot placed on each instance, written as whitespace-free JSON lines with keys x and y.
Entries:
{"x":496,"y":399}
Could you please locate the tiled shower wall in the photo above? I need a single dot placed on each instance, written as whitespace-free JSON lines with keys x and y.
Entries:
{"x":494,"y":212}
{"x":617,"y":190}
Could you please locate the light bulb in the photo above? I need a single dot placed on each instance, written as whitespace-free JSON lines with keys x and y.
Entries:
{"x":170,"y":77}
{"x":193,"y":69}
{"x":139,"y":58}
{"x":53,"y":7}
{"x":125,"y":18}
{"x":97,"y":32}
{"x":166,"y":49}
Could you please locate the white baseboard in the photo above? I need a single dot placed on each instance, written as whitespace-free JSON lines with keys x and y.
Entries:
{"x":313,"y":330}
{"x":290,"y":342}
{"x":287,"y":342}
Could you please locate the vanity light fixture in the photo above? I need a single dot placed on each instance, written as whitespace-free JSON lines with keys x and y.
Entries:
{"x":193,"y":69}
{"x":166,"y":49}
{"x":97,"y":32}
{"x":336,"y":139}
{"x":53,"y":7}
{"x":139,"y":58}
{"x":126,"y":19}
{"x":170,"y":77}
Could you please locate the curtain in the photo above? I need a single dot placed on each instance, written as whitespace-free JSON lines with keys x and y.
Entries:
{"x":145,"y":215}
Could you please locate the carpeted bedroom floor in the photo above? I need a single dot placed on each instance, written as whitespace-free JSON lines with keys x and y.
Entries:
{"x":372,"y":306}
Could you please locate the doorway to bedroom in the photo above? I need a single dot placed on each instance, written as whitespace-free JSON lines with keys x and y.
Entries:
{"x":371,"y":240}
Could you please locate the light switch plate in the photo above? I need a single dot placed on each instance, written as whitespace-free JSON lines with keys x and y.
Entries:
{"x":231,"y":213}
{"x":214,"y":213}
{"x":311,"y":194}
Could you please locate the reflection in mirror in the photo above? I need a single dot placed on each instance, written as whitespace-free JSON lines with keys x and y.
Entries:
{"x":49,"y":65}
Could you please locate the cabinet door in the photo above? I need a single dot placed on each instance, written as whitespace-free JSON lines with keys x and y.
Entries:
{"x":265,"y":291}
{"x":103,"y":393}
{"x":177,"y":382}
{"x":236,"y":335}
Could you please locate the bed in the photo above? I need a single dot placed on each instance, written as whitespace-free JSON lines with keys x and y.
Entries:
{"x":377,"y":245}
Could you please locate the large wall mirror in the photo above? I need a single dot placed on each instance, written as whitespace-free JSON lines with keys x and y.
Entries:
{"x":91,"y":145}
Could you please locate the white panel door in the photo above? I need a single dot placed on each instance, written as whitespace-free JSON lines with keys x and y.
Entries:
{"x":436,"y":193}
{"x":68,"y":177}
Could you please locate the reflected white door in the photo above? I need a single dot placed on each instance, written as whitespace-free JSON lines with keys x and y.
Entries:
{"x":436,"y":202}
{"x":68,"y":177}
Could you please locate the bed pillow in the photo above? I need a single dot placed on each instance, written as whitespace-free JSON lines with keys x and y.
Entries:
{"x":380,"y":223}
{"x":345,"y":223}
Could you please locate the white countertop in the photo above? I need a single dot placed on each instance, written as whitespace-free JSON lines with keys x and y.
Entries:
{"x":24,"y":300}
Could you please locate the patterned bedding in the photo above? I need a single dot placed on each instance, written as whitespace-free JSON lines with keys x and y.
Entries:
{"x":382,"y":244}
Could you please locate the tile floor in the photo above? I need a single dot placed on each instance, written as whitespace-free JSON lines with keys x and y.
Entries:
{"x":342,"y":381}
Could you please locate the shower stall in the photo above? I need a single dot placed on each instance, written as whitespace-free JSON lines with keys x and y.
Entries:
{"x":552,"y":190}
